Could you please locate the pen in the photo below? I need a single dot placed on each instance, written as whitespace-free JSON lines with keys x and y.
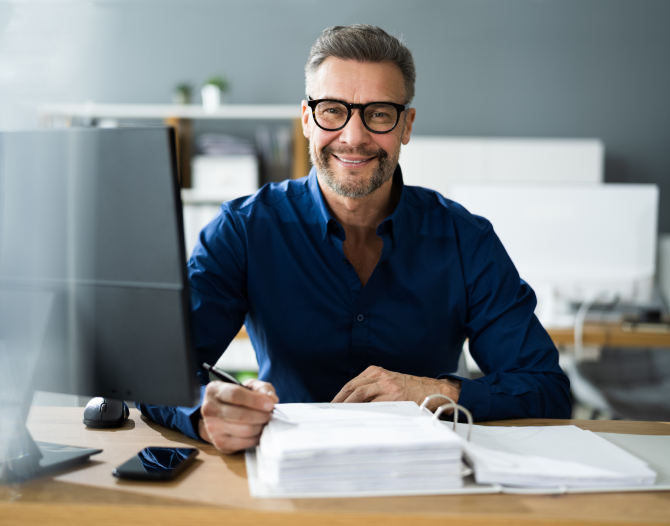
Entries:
{"x":230,"y":379}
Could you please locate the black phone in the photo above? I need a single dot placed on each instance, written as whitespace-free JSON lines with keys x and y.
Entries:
{"x":156,"y":463}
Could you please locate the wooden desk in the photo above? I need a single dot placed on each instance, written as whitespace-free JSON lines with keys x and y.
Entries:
{"x":606,"y":334}
{"x":610,"y":335}
{"x":214,"y":491}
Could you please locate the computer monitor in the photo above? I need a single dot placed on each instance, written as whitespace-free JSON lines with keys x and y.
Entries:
{"x":94,"y":296}
{"x":573,"y":242}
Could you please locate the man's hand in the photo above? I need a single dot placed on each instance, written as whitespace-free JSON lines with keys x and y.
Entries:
{"x":233,"y":417}
{"x":379,"y":385}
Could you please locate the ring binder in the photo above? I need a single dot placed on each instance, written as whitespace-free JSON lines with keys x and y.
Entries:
{"x":351,"y":449}
{"x":440,"y":410}
{"x":310,"y":459}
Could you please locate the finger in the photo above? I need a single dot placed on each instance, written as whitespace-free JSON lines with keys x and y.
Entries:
{"x":230,"y":445}
{"x":217,"y":428}
{"x":364,"y":393}
{"x":351,"y":386}
{"x":214,"y":408}
{"x":265,"y":388}
{"x":238,"y":395}
{"x":373,"y":371}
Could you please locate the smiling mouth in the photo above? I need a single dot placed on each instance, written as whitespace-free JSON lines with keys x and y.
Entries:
{"x":353,"y":161}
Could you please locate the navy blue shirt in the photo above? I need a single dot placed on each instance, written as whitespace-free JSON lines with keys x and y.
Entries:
{"x":274,"y":262}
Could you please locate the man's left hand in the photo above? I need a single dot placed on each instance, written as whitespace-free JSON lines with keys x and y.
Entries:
{"x":379,"y":385}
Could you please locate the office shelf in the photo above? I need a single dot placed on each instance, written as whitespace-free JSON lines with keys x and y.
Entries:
{"x":170,"y":111}
{"x":180,"y":116}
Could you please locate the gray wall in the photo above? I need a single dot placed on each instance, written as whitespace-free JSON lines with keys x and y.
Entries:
{"x":531,"y":68}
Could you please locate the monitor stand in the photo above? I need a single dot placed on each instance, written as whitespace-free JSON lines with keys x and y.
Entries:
{"x":24,"y":315}
{"x":25,"y":459}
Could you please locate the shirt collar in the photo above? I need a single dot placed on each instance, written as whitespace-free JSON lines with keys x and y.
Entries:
{"x":391,"y":224}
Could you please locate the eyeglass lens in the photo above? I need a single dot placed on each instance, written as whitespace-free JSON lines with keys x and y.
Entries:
{"x":332,"y":115}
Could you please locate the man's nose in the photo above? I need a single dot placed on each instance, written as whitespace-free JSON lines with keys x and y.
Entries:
{"x":355,"y":133}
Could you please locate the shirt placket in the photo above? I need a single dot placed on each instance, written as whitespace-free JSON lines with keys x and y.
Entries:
{"x":362,"y":302}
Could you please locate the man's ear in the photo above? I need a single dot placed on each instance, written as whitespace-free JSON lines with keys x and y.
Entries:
{"x":305,"y":119}
{"x":407,"y":128}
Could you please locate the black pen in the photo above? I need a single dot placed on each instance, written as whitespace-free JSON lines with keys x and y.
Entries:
{"x":230,"y":379}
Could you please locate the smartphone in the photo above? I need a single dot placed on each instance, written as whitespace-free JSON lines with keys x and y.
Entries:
{"x":156,"y":463}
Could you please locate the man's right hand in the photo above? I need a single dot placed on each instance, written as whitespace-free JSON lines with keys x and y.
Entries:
{"x":233,"y":417}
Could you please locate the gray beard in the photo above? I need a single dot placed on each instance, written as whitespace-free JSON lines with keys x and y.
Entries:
{"x":358,"y":189}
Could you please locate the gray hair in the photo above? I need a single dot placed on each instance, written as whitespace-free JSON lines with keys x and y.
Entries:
{"x":362,"y":43}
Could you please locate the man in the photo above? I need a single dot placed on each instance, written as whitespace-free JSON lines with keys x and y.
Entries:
{"x":354,"y":287}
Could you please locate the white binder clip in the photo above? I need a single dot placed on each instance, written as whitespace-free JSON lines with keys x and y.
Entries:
{"x":448,"y":405}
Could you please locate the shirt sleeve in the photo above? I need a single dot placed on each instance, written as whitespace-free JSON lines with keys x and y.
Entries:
{"x":522,"y":378}
{"x":179,"y":418}
{"x":217,"y":276}
{"x":218,"y":279}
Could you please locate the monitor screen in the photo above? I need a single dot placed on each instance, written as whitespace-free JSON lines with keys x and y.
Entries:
{"x":94,"y":296}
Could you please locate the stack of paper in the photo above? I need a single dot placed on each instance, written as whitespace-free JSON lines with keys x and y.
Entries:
{"x":334,"y":448}
{"x":551,"y":457}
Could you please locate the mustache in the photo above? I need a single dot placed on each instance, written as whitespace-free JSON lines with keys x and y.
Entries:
{"x":363,"y":152}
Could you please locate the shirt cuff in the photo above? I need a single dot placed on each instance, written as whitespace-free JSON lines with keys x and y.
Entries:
{"x":185,"y":422}
{"x":191,"y":417}
{"x":474,"y":396}
{"x":174,"y":417}
{"x":195,"y":418}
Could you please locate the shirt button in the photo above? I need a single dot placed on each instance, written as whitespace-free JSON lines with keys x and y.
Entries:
{"x":360,"y":317}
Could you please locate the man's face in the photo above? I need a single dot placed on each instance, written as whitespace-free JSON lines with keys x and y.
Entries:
{"x":353,"y":161}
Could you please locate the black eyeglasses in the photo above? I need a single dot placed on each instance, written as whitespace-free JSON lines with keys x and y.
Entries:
{"x":377,"y":117}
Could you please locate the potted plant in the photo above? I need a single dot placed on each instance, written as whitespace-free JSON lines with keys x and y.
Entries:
{"x":213,"y":90}
{"x":182,"y":93}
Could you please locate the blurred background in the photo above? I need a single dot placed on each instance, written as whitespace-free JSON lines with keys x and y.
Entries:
{"x":515,"y":96}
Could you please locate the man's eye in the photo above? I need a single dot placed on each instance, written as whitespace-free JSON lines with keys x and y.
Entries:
{"x":333,"y":111}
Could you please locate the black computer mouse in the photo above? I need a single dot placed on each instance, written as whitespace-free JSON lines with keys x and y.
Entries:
{"x":105,"y":412}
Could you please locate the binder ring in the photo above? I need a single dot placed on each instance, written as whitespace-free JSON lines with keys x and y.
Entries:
{"x":432,"y":397}
{"x":449,"y":404}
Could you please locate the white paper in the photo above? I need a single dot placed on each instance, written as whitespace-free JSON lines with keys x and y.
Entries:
{"x":551,"y":456}
{"x":335,"y":449}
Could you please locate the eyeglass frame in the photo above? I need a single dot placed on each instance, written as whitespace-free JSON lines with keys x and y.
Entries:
{"x":350,"y":106}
